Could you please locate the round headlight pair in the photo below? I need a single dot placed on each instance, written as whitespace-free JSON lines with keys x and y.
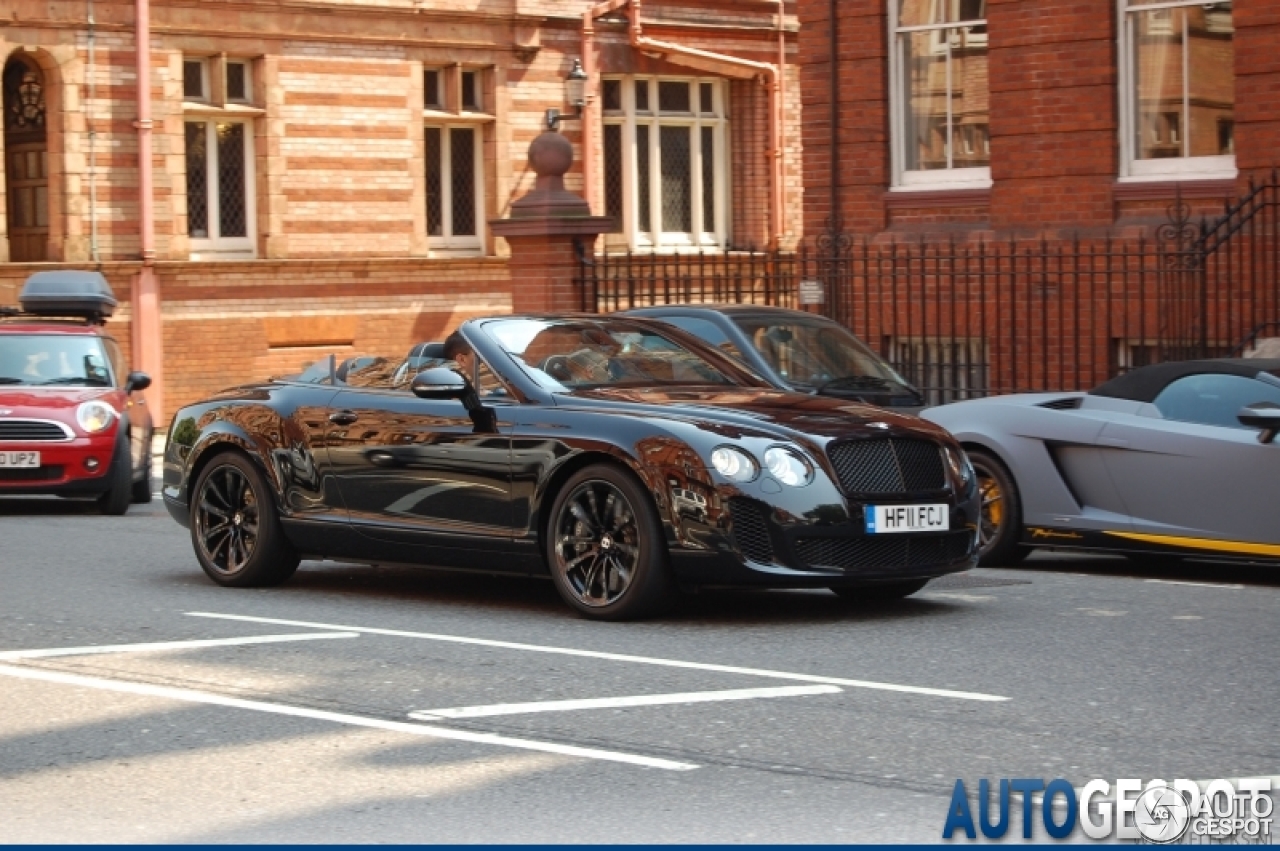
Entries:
{"x":95,"y":416}
{"x":786,"y":465}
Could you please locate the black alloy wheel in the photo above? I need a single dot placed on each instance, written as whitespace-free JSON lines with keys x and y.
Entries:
{"x":605,"y":546}
{"x":1000,"y":514}
{"x":234,"y":526}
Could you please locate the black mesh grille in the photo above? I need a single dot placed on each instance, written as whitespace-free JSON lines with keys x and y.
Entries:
{"x":30,"y":430}
{"x":888,"y":465}
{"x":881,"y":551}
{"x":32,"y":474}
{"x":750,"y":529}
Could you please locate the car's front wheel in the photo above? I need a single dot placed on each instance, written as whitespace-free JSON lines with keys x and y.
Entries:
{"x":115,"y":500}
{"x":1000,"y":521}
{"x":605,"y":547}
{"x":234,"y":526}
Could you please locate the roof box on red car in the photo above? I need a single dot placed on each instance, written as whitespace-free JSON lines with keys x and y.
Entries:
{"x":68,"y":293}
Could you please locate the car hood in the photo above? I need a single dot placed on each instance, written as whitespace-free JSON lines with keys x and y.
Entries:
{"x":772,"y":410}
{"x":50,"y":402}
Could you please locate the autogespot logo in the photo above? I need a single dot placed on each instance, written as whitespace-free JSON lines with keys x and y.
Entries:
{"x":1159,"y":812}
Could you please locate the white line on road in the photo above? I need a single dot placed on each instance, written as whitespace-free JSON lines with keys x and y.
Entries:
{"x":192,"y":696}
{"x":616,"y":702}
{"x":1223,"y":585}
{"x":157,"y":646}
{"x":619,"y":657}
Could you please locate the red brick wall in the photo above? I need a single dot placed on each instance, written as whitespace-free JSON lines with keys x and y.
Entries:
{"x":1054,"y":122}
{"x":229,"y":323}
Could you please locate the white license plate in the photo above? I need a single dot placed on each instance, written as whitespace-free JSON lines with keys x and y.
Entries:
{"x":882,"y":519}
{"x":19,"y":459}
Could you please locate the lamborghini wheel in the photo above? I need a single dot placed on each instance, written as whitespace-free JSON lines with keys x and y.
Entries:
{"x":1000,"y":522}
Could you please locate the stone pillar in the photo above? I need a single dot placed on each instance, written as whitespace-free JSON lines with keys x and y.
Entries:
{"x":542,"y":231}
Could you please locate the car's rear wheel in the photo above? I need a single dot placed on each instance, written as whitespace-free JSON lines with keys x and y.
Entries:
{"x":234,"y":526}
{"x":605,"y":548}
{"x":1000,"y":519}
{"x":879,"y":593}
{"x":115,"y":500}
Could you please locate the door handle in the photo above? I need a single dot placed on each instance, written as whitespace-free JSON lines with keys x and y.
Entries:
{"x":343,"y":417}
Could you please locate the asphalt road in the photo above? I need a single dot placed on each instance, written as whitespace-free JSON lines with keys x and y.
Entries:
{"x":741,"y":717}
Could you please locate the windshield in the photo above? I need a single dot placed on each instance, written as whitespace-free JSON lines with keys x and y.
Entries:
{"x":816,"y":353}
{"x":51,"y":359}
{"x":569,"y":353}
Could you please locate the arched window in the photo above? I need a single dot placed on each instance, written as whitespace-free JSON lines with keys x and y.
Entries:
{"x":26,"y":160}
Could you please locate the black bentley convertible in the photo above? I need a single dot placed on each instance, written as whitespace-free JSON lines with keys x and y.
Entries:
{"x":621,"y":455}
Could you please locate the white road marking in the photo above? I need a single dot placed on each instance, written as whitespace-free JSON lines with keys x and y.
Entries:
{"x":615,"y":702}
{"x":952,"y":595}
{"x":1223,"y":585}
{"x":158,"y":646}
{"x":192,"y":696}
{"x":620,"y":657}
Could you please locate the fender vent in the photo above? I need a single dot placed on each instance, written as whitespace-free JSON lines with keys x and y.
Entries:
{"x":750,"y":529}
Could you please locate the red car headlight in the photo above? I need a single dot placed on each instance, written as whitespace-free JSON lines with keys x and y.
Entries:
{"x":95,"y":416}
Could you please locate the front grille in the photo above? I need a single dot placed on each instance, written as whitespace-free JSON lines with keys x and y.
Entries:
{"x":888,"y":465}
{"x":32,"y":474}
{"x":33,"y":430}
{"x":749,"y":527}
{"x":883,"y":551}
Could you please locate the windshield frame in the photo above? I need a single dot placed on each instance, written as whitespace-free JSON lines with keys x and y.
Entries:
{"x":734,"y":373}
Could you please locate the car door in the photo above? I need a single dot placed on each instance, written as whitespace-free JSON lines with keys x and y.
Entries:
{"x":418,"y":471}
{"x":1193,"y":470}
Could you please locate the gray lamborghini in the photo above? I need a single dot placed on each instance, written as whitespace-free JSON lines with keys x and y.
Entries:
{"x":1168,"y":460}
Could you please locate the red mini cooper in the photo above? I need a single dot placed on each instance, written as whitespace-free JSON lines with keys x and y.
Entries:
{"x":72,"y":422}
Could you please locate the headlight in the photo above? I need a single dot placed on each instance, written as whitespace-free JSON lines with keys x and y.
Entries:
{"x":788,"y":466}
{"x":95,"y":416}
{"x":960,"y":466}
{"x":734,"y":464}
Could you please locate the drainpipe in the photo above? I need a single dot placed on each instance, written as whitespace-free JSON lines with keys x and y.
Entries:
{"x":591,"y":95}
{"x":779,"y":155}
{"x":147,"y":343}
{"x":770,"y":75}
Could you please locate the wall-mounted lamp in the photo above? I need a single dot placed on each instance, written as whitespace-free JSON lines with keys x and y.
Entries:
{"x":574,"y":94}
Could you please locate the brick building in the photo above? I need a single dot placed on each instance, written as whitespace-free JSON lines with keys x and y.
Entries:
{"x":996,"y":175}
{"x":323,"y":173}
{"x":1053,"y":116}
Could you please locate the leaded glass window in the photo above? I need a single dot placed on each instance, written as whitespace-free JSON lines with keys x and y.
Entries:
{"x":454,"y":186}
{"x":219,"y":186}
{"x":666,"y":169}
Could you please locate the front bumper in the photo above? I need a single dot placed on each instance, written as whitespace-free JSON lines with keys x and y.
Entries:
{"x":64,"y":467}
{"x":745,"y":540}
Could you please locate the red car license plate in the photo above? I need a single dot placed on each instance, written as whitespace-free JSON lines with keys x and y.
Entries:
{"x":19,"y":459}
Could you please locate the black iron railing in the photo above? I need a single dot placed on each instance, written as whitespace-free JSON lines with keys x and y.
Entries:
{"x":962,"y":319}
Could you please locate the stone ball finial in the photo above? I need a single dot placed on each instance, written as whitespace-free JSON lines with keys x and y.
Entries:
{"x":550,"y":155}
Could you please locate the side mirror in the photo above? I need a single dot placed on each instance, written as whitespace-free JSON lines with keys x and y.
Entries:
{"x":136,"y":381}
{"x":1261,"y":415}
{"x":438,"y":383}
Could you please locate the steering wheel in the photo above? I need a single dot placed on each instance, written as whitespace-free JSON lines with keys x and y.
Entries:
{"x":557,"y":366}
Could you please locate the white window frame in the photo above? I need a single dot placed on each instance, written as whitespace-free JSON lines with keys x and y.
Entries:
{"x":216,"y":246}
{"x":1132,"y":169}
{"x":904,"y":179}
{"x":699,"y":238}
{"x":448,"y":243}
